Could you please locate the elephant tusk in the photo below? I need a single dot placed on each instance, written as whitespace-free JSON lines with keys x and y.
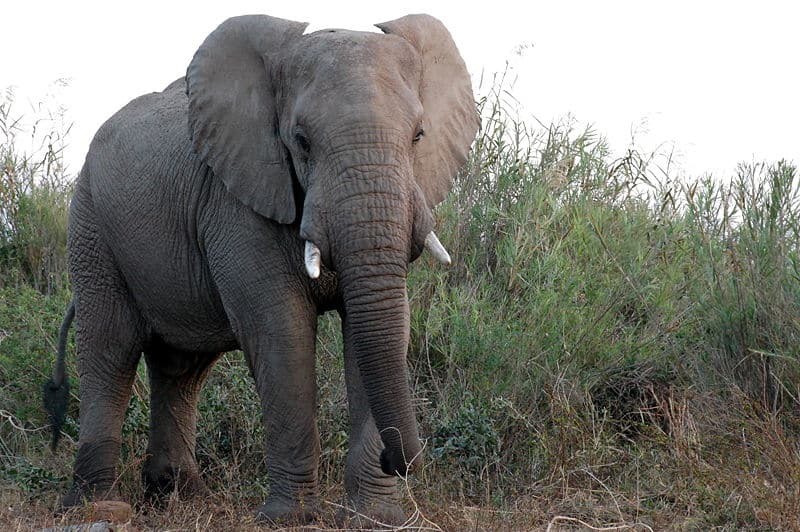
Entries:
{"x":437,"y":249}
{"x":313,"y":260}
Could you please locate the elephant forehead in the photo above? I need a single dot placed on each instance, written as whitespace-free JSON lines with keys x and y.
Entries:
{"x":335,"y":52}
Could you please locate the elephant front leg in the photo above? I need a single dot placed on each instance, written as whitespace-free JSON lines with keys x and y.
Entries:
{"x":176,"y":379}
{"x":283,"y":364}
{"x":372,"y":495}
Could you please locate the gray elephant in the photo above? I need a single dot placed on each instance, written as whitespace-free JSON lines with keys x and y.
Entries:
{"x":286,"y":175}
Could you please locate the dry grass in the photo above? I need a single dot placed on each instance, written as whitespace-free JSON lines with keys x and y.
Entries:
{"x":699,"y":463}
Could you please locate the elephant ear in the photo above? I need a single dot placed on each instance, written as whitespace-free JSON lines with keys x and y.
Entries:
{"x":450,"y":115}
{"x":232,"y":114}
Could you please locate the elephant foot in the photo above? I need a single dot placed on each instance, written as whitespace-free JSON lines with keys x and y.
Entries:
{"x":282,"y":512}
{"x":371,"y":514}
{"x":161,"y":482}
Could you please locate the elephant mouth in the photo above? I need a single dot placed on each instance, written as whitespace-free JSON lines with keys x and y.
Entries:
{"x":313,"y":255}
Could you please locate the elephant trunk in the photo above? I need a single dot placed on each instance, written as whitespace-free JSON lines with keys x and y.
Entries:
{"x":371,"y":257}
{"x":377,"y":317}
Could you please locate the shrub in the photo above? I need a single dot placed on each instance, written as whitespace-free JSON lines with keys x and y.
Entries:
{"x":34,"y":199}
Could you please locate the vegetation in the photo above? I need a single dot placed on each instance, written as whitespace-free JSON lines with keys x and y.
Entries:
{"x":612,"y":347}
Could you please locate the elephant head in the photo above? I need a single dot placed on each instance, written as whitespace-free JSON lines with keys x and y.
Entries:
{"x":355,"y":136}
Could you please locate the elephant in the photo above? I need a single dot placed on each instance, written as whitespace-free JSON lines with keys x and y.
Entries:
{"x":286,"y":175}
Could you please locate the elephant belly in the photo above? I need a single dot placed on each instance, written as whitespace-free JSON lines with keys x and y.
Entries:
{"x":180,"y":304}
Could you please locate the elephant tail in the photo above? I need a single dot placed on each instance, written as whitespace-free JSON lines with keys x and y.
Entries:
{"x":56,"y":390}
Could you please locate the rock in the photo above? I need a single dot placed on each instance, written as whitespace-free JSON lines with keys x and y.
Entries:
{"x":111,"y":511}
{"x":103,"y":516}
{"x":101,"y":526}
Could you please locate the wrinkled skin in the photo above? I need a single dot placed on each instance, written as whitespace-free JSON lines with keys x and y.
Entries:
{"x":187,"y":232}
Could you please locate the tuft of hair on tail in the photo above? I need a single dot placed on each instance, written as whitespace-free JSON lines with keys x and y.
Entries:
{"x":56,"y":400}
{"x":55,"y":392}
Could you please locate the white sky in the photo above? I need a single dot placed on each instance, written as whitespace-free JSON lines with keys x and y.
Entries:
{"x":716,"y":80}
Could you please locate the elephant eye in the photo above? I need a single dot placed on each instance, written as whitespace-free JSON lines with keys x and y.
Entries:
{"x":419,"y":135}
{"x":302,"y":142}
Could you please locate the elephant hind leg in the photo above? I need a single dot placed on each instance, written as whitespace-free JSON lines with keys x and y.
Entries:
{"x":107,"y":368}
{"x":176,"y":379}
{"x":109,"y":336}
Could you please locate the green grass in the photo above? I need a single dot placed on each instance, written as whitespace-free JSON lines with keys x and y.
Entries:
{"x":611,"y":345}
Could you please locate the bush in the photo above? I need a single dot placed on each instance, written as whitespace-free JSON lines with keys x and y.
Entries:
{"x":34,"y":200}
